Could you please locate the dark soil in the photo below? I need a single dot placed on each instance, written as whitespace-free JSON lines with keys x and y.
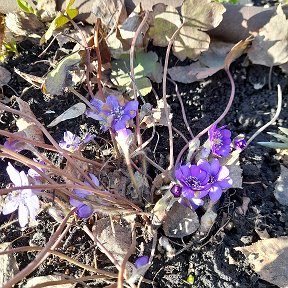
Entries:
{"x":207,"y":260}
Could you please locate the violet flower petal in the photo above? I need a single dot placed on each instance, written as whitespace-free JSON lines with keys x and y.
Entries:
{"x":23,"y":215}
{"x":141,"y":261}
{"x":84,"y":211}
{"x":215,"y":192}
{"x":113,"y":102}
{"x":130,"y":108}
{"x":11,"y":205}
{"x":14,"y":175}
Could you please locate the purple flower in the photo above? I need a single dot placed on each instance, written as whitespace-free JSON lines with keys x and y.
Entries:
{"x":141,"y":261}
{"x":194,"y":182}
{"x":24,"y":200}
{"x":176,"y":190}
{"x":220,"y":140}
{"x":84,"y":210}
{"x":218,"y":180}
{"x":72,"y":142}
{"x":239,"y":143}
{"x":113,"y":114}
{"x":34,"y":174}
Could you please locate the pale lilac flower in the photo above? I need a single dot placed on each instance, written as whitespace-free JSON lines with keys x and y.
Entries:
{"x":239,"y":143}
{"x":124,"y":138}
{"x":112,"y":114}
{"x":220,"y":140}
{"x":72,"y":142}
{"x":84,"y":210}
{"x":218,"y":180}
{"x":34,"y":174}
{"x":194,"y":182}
{"x":24,"y":200}
{"x":141,"y":261}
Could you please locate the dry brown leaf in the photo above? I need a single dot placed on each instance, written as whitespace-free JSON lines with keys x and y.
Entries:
{"x":28,"y":127}
{"x":111,"y":12}
{"x":165,"y":21}
{"x":23,"y":24}
{"x":116,"y":240}
{"x":46,"y":10}
{"x":157,"y":116}
{"x":128,"y":28}
{"x":210,"y":62}
{"x":191,"y":73}
{"x":72,"y":112}
{"x":269,"y":258}
{"x":270,"y":46}
{"x":181,"y":221}
{"x":236,"y":51}
{"x":199,"y":16}
{"x":5,"y":76}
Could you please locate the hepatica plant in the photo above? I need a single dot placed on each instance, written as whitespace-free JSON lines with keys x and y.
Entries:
{"x":114,"y":113}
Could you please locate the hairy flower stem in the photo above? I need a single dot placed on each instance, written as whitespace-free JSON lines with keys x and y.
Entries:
{"x":197,"y":137}
{"x":169,"y":123}
{"x":87,"y":52}
{"x":279,"y":107}
{"x":114,"y":142}
{"x":132,"y":50}
{"x":131,"y":172}
{"x":99,"y":60}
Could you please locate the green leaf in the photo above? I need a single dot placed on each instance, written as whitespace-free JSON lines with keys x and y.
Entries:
{"x":58,"y":79}
{"x":198,"y":16}
{"x":279,"y":137}
{"x":11,"y":46}
{"x":283,"y":130}
{"x":144,"y":85}
{"x":72,"y":13}
{"x":274,"y":145}
{"x":144,"y":65}
{"x":24,"y":5}
{"x":59,"y":21}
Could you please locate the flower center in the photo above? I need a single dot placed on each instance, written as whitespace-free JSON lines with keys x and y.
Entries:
{"x":118,"y":113}
{"x":211,"y":180}
{"x":218,"y":139}
{"x":193,"y":182}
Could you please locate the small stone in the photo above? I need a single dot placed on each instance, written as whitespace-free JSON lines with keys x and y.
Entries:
{"x":181,"y":221}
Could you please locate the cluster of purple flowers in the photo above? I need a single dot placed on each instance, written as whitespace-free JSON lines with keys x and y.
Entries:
{"x":113,"y":113}
{"x":207,"y":177}
{"x":203,"y":179}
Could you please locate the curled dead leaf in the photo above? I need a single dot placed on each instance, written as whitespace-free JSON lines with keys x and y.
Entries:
{"x":269,"y":258}
{"x":270,"y":46}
